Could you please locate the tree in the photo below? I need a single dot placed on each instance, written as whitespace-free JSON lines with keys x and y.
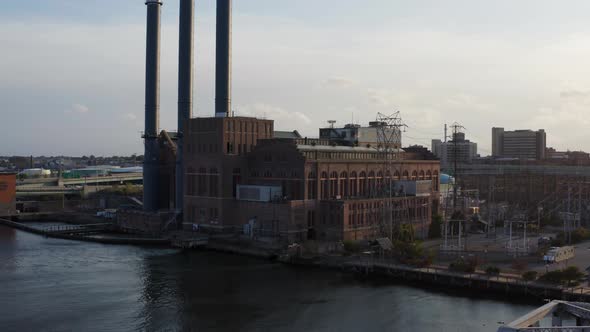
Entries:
{"x":529,"y":276}
{"x":492,"y":270}
{"x":434,"y":231}
{"x":571,"y":275}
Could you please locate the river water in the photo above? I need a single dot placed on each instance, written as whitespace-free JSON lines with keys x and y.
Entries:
{"x":60,"y":285}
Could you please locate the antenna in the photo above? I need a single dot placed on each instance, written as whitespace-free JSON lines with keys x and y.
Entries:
{"x":331,"y":122}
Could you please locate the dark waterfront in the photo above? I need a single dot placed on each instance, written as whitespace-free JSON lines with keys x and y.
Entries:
{"x":59,"y":285}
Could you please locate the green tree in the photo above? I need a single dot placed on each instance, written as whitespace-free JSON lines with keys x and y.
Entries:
{"x":434,"y":231}
{"x":529,"y":276}
{"x":571,"y":275}
{"x":492,"y":270}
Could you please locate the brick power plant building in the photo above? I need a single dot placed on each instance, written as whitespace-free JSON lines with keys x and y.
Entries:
{"x":236,"y":174}
{"x":296,"y":188}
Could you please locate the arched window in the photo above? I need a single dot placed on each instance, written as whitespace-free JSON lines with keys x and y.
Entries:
{"x":353,"y":185}
{"x":421,"y":175}
{"x":372,"y":185}
{"x":343,"y":184}
{"x":405,"y":175}
{"x":311,"y":186}
{"x":324,"y":186}
{"x":333,"y":184}
{"x":414,"y":175}
{"x":428,"y":175}
{"x":363,"y":184}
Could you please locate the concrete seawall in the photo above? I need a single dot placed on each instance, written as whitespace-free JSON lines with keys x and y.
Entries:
{"x":496,"y":285}
{"x":104,"y":240}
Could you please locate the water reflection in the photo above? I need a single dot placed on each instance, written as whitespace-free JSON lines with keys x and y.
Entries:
{"x":50,"y":284}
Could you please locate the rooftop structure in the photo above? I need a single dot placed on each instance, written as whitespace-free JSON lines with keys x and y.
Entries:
{"x":357,"y":135}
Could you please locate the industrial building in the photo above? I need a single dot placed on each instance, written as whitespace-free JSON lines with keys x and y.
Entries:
{"x":521,"y":144}
{"x":236,"y":174}
{"x":458,"y":149}
{"x":319,"y":189}
{"x":7,"y":194}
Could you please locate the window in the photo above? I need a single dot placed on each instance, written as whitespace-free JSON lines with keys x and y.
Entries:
{"x":213,"y":182}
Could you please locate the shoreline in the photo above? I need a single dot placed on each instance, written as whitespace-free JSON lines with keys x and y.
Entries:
{"x":440,"y":279}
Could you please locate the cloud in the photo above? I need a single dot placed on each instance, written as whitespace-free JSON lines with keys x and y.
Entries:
{"x":130,"y":116}
{"x":78,"y":108}
{"x":378,"y":97}
{"x":284,"y":119}
{"x":338,"y":82}
{"x":566,"y":121}
{"x":574,"y":94}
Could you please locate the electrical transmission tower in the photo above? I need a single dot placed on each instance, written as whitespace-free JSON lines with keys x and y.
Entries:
{"x":453,"y":227}
{"x":389,"y":143}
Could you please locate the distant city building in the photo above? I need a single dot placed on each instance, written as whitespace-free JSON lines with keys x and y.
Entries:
{"x":356,"y":135}
{"x":464,"y":149}
{"x":521,"y":144}
{"x":579,"y":156}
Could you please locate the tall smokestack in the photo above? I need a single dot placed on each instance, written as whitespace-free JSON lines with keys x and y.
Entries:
{"x":152,"y":106}
{"x":223,"y":59}
{"x":185,"y":89}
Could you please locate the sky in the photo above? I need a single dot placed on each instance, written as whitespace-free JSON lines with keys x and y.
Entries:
{"x":72,"y":72}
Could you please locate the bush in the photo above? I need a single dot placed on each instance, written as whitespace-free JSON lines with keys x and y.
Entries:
{"x":580,"y":234}
{"x":569,"y":276}
{"x":464,"y":265}
{"x":552,"y":277}
{"x":492,"y":270}
{"x":412,"y":253}
{"x":529,"y":276}
{"x":351,"y":246}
